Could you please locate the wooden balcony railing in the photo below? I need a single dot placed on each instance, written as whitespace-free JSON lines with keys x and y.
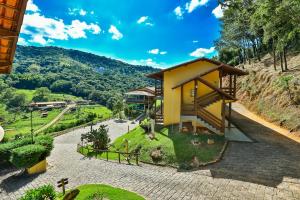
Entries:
{"x":135,"y":100}
{"x":158,"y":92}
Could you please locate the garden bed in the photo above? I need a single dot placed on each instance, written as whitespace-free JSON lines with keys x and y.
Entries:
{"x":174,"y":149}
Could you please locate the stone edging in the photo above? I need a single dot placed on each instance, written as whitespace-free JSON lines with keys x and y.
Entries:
{"x":220,"y":156}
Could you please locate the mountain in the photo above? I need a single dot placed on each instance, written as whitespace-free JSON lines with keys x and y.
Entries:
{"x":75,"y":72}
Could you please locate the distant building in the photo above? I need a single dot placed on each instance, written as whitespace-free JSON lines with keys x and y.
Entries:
{"x":50,"y":104}
{"x":142,"y":97}
{"x":84,"y":102}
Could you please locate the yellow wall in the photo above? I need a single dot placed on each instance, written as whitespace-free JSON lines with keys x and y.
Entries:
{"x":172,"y":97}
{"x":38,"y":168}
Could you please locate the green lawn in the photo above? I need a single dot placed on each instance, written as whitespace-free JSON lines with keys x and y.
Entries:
{"x":52,"y":97}
{"x":79,"y":116}
{"x":81,"y":112}
{"x":177,"y":147}
{"x":87,"y":192}
{"x":21,"y":124}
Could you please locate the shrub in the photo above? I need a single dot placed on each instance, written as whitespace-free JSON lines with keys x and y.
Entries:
{"x":41,"y":193}
{"x":99,"y":137}
{"x":5,"y":148}
{"x":27,"y":156}
{"x":46,"y":141}
{"x":146,"y":125}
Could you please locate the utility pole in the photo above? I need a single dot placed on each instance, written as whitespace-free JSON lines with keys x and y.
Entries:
{"x":31,"y":125}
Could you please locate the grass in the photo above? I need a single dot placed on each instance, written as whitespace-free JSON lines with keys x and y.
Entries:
{"x":108,"y":192}
{"x":177,"y":147}
{"x":52,"y":96}
{"x":101,"y":111}
{"x":19,"y":123}
{"x":22,"y":123}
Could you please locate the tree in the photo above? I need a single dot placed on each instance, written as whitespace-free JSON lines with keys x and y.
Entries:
{"x":253,"y":28}
{"x":99,"y":137}
{"x":16,"y":103}
{"x":61,"y":86}
{"x":34,"y":68}
{"x":41,"y":94}
{"x":118,"y":108}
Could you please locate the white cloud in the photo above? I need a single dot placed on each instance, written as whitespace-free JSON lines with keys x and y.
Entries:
{"x":44,"y":30}
{"x":142,"y":19}
{"x":77,"y":11}
{"x":157,"y":51}
{"x":77,"y":29}
{"x":201,"y":52}
{"x":145,"y":20}
{"x":195,"y":41}
{"x":22,"y":41}
{"x":178,"y":12}
{"x":153,"y":51}
{"x":116,"y":34}
{"x":73,"y":11}
{"x":92,"y":12}
{"x":32,"y":7}
{"x":218,"y":12}
{"x":82,"y":12}
{"x":39,"y":39}
{"x":149,"y":24}
{"x":148,"y":62}
{"x":191,"y":6}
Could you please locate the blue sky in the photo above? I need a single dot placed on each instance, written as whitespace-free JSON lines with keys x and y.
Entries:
{"x":160,"y":33}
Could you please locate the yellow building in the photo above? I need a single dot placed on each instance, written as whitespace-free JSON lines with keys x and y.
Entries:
{"x":194,"y":95}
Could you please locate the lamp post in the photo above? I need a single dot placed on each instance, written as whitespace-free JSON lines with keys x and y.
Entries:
{"x":31,"y":124}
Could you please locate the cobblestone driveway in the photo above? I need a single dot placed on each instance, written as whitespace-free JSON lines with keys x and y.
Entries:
{"x":267,"y":169}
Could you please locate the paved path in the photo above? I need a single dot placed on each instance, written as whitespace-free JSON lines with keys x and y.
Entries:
{"x":58,"y":117}
{"x":244,"y":111}
{"x":266,"y":169}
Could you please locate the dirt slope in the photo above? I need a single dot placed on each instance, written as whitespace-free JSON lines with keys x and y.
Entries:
{"x":274,"y":95}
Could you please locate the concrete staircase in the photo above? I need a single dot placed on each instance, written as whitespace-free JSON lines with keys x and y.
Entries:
{"x":209,"y":127}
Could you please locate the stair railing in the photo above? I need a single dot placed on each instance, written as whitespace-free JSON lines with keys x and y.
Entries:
{"x":209,"y":118}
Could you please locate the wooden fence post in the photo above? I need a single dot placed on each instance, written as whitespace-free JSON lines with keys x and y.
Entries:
{"x":137,"y":159}
{"x":106,"y":155}
{"x":119,"y":157}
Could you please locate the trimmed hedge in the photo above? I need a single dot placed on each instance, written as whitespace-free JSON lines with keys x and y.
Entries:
{"x":46,"y":141}
{"x":5,"y":148}
{"x":27,"y":156}
{"x":41,"y":193}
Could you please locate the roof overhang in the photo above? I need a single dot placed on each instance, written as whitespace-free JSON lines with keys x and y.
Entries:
{"x":226,"y":69}
{"x":11,"y":19}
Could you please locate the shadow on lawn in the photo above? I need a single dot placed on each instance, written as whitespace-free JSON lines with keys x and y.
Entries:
{"x":268,"y":161}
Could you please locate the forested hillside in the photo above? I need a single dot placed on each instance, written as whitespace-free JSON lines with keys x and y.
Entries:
{"x":263,"y":37}
{"x":252,"y":29}
{"x":74,"y":72}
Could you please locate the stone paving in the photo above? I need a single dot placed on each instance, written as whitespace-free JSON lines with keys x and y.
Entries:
{"x":266,"y":169}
